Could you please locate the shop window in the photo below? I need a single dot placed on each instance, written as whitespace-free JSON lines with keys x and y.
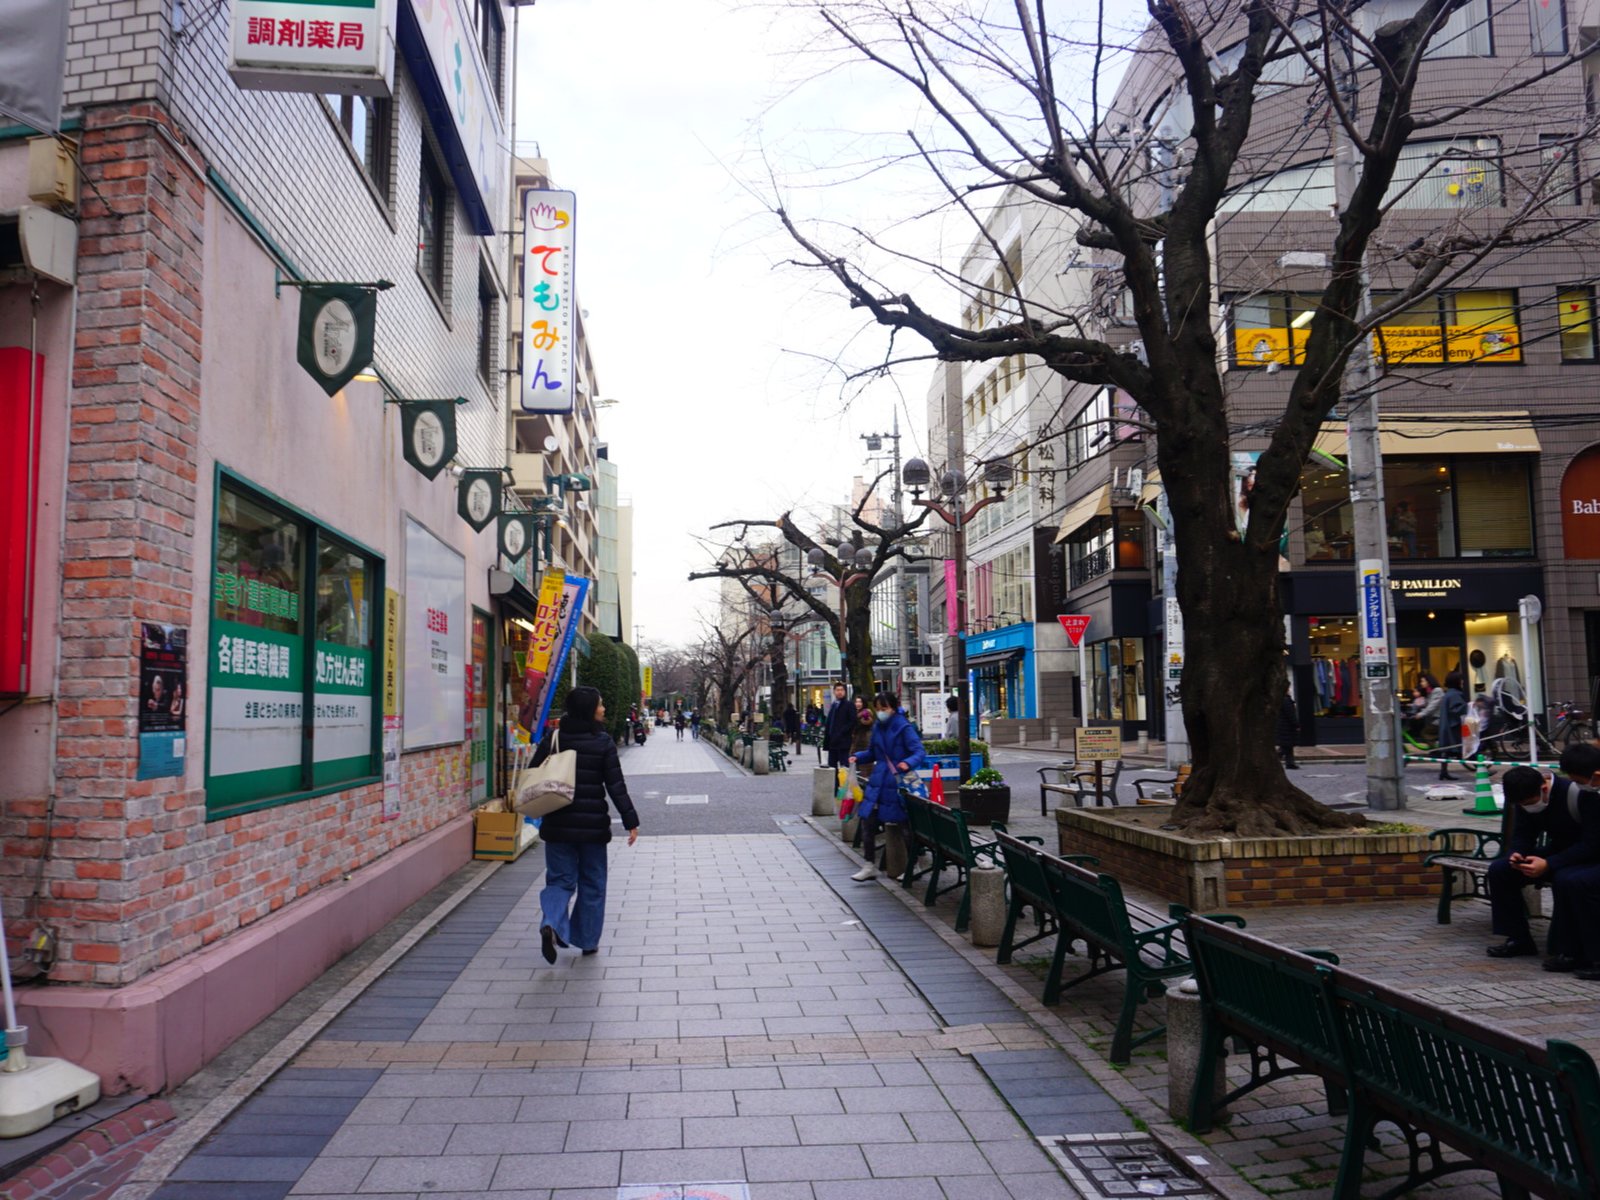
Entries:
{"x":1494,"y":647}
{"x":1129,"y":526}
{"x":1547,"y":26}
{"x":433,"y":208}
{"x":1495,"y":507}
{"x":1455,"y":328}
{"x":1090,"y":557}
{"x":1117,"y":680}
{"x":1271,"y":328}
{"x":1576,"y":306}
{"x":1335,"y":666}
{"x":1421,"y":516}
{"x":1326,"y":513}
{"x":293,"y":666}
{"x":1089,"y":431}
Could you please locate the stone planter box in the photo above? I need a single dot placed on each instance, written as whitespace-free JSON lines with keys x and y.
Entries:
{"x":985,"y":805}
{"x":1223,"y":875}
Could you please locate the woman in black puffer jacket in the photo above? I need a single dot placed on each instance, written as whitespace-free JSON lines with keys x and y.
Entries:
{"x":574,"y":896}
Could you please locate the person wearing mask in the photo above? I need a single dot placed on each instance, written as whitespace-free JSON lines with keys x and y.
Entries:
{"x":1567,"y":816}
{"x":573,"y":902}
{"x":1452,"y":708}
{"x":952,"y":719}
{"x":838,"y":728}
{"x":893,"y":750}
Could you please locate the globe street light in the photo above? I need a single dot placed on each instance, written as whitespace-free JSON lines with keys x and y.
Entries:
{"x":916,"y":475}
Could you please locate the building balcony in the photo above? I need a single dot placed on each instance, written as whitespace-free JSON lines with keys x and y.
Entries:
{"x":1090,"y":567}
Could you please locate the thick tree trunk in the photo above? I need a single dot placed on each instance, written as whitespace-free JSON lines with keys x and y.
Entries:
{"x":1235,"y":668}
{"x":858,"y":633}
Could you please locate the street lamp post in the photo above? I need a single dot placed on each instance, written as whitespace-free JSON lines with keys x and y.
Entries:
{"x":917,"y":476}
{"x":848,"y":556}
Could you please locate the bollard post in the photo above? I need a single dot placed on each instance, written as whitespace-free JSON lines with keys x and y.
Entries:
{"x":760,"y":762}
{"x":1055,"y":736}
{"x":824,"y":784}
{"x":1022,"y":737}
{"x":1185,"y":1028}
{"x":987,"y":887}
{"x":894,"y":849}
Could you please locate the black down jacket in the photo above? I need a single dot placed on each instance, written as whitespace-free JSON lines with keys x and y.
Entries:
{"x":587,"y":819}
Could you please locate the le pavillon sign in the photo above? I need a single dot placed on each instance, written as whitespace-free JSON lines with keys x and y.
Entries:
{"x":428,"y":434}
{"x":326,"y":47}
{"x":478,"y":497}
{"x":336,"y":322}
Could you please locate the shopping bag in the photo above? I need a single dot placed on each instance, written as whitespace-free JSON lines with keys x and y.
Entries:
{"x":842,"y":783}
{"x":541,"y":790}
{"x":1469,"y":734}
{"x":912,"y":783}
{"x":936,"y":790}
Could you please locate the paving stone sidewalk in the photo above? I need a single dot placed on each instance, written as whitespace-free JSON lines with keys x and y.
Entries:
{"x":740,"y":1027}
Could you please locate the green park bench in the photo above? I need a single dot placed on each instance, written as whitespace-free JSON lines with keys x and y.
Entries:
{"x":1528,"y":1113}
{"x":953,"y":847}
{"x":1464,"y":872}
{"x":1077,"y":783}
{"x":1027,"y":888}
{"x":1120,"y":937}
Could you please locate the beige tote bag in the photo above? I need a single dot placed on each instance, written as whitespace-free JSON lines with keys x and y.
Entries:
{"x":541,"y":790}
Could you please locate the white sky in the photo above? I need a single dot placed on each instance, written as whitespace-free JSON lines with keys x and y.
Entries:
{"x":653,"y":112}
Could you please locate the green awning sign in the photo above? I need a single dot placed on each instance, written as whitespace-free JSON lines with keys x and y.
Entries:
{"x":336,"y":321}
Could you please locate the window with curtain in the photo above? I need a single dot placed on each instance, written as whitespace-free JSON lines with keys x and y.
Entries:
{"x":1547,"y":26}
{"x":1457,"y":174}
{"x":1576,"y":307}
{"x":1494,"y":506}
{"x":1271,"y":327}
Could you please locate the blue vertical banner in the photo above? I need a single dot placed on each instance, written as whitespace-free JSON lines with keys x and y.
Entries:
{"x":1374,"y":621}
{"x":572,"y":598}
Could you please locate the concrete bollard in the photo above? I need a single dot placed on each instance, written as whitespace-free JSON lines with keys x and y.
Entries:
{"x":1055,"y":736}
{"x":824,"y":785}
{"x":1185,"y":1028}
{"x":894,"y":849}
{"x":760,"y":762}
{"x":1143,"y":742}
{"x":988,"y":890}
{"x":1022,"y":737}
{"x":848,"y":828}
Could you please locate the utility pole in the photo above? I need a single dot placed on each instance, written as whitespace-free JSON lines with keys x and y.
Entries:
{"x":1374,"y":606}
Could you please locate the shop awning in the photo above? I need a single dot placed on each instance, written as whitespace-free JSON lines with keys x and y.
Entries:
{"x":1151,"y":489}
{"x":993,"y":657}
{"x":1096,"y":504}
{"x":1412,"y":435}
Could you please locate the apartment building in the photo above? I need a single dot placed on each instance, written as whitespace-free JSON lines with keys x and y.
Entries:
{"x":1490,"y":440}
{"x":252,"y":664}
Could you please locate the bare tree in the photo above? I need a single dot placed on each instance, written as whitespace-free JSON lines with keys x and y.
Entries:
{"x":761,"y":572}
{"x":724,"y":661}
{"x":1147,"y":190}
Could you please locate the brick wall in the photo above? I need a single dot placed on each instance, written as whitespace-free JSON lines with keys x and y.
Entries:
{"x":1335,"y":870}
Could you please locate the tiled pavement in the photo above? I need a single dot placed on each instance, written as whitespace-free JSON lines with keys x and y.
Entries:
{"x":739,"y":1027}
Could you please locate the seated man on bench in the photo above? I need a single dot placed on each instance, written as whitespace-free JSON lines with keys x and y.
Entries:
{"x":1567,"y":814}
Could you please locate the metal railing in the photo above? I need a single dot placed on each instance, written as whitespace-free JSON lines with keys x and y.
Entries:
{"x":1091,"y":566}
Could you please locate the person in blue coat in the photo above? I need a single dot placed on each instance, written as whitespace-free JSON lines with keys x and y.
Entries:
{"x":894,"y":750}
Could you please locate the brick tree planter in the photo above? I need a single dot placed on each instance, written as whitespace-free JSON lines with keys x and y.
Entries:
{"x":1218,"y":873}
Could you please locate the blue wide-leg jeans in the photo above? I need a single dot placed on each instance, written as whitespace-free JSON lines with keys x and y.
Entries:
{"x":575,"y":883}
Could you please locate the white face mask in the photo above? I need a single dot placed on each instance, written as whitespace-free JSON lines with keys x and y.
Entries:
{"x":884,"y":714}
{"x":1534,"y":810}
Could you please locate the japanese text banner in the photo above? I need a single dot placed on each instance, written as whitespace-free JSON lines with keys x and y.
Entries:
{"x":549,"y":226}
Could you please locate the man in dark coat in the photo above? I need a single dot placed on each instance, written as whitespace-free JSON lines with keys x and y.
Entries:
{"x":1288,"y":732}
{"x":573,"y":901}
{"x":840,"y":727}
{"x":1567,"y":816}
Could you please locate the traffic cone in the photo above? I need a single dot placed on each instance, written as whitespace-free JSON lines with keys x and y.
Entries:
{"x":936,"y":789}
{"x":1483,"y":804}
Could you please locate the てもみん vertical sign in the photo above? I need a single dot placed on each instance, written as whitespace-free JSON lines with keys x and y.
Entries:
{"x":549,"y":227}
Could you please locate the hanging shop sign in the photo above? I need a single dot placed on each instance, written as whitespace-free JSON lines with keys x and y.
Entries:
{"x":549,"y":228}
{"x":516,"y":534}
{"x":327,"y":47}
{"x":569,"y":610}
{"x":163,"y":699}
{"x":428,"y":434}
{"x":444,"y":57}
{"x":478,"y":497}
{"x":336,"y":321}
{"x":435,"y":640}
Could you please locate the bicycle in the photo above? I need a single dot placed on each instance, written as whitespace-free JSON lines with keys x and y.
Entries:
{"x":1569,"y":724}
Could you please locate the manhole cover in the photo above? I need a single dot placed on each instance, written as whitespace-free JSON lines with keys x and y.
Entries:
{"x":688,"y":799}
{"x":1125,"y":1164}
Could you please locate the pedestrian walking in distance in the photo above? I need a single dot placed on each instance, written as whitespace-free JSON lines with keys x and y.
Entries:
{"x":894,"y":750}
{"x":1288,"y":732}
{"x":573,"y":902}
{"x":1451,"y":711}
{"x":678,"y":723}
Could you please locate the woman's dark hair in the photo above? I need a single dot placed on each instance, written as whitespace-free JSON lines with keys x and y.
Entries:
{"x":583,"y":703}
{"x":951,"y":705}
{"x":886,"y":700}
{"x":1454,"y":680}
